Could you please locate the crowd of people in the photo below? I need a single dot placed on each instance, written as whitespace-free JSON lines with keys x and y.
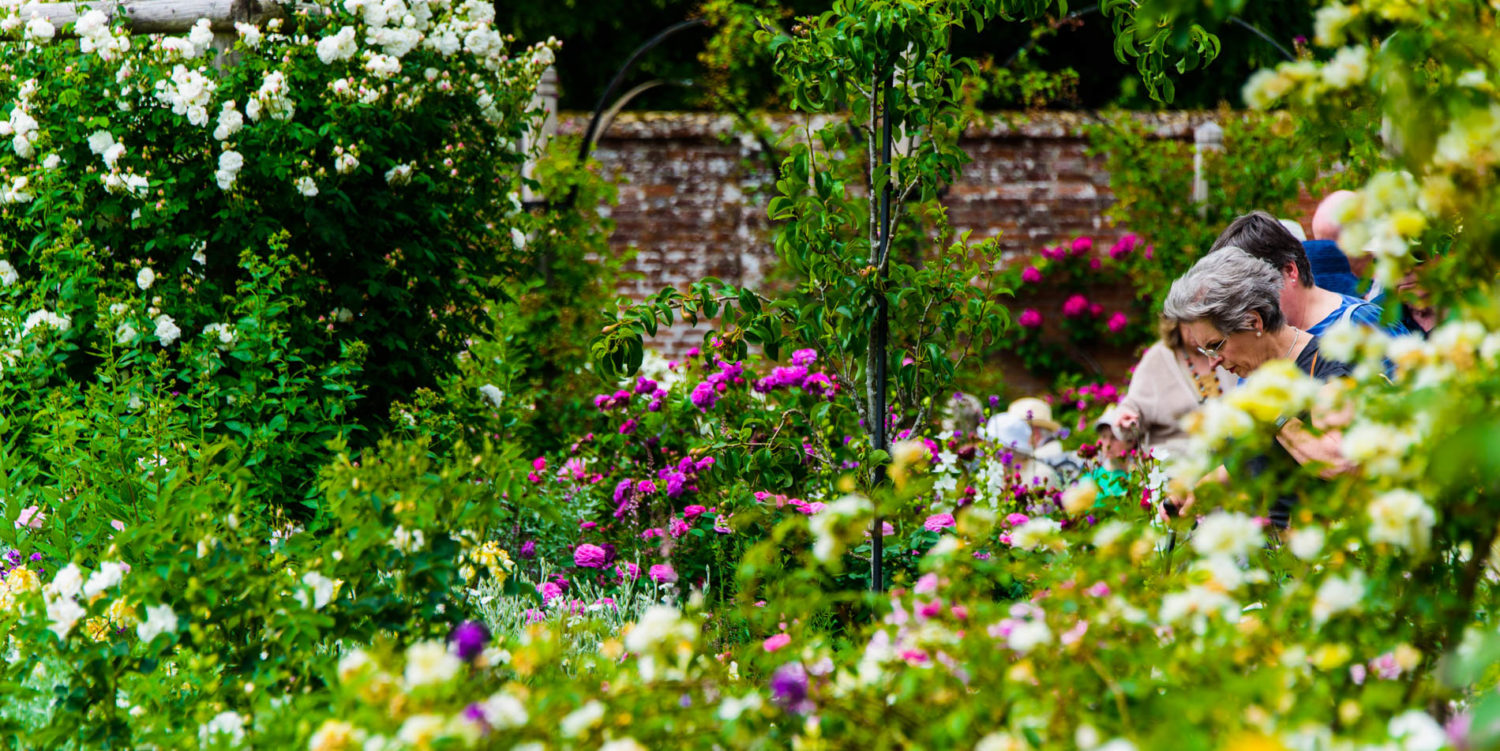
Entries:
{"x":1263,"y":292}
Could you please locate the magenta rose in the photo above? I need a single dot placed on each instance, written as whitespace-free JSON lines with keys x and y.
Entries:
{"x":589,"y":556}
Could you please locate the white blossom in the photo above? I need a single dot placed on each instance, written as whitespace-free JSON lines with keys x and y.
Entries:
{"x":580,"y":720}
{"x":159,"y":620}
{"x":399,"y":174}
{"x":319,"y":592}
{"x":230,"y":122}
{"x":1402,"y":518}
{"x":250,"y":34}
{"x":166,"y":330}
{"x":1336,"y":595}
{"x":430,"y":662}
{"x":307,"y":186}
{"x":39,"y":29}
{"x":492,"y":393}
{"x":503,"y":711}
{"x":1306,"y":542}
{"x":223,"y":724}
{"x":1232,"y":534}
{"x":8,"y":275}
{"x":63,"y":612}
{"x":345,"y":163}
{"x":109,"y":574}
{"x":145,"y":278}
{"x":340,"y":46}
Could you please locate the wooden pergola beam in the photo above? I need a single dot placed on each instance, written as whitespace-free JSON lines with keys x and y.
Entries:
{"x":160,"y":16}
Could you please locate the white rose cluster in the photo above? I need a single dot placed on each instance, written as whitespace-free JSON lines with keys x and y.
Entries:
{"x":96,"y":36}
{"x":339,"y":46}
{"x":188,"y":92}
{"x":21,"y":126}
{"x":230,"y":122}
{"x":103,"y":143}
{"x":230,"y":164}
{"x":272,"y":99}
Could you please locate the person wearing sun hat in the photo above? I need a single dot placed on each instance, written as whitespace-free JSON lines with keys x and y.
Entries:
{"x":1037,"y":414}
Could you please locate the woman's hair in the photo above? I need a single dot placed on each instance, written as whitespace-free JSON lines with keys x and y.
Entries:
{"x":1170,"y":332}
{"x":1224,"y":288}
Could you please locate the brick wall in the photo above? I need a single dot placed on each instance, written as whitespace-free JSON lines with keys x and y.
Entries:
{"x":692,"y":196}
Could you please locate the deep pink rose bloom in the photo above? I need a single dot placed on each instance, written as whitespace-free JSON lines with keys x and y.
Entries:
{"x":549,"y":591}
{"x":1076,"y":306}
{"x":1117,"y":322}
{"x":938,"y":522}
{"x":1082,"y":245}
{"x":777,"y":642}
{"x":589,"y":556}
{"x":1030,"y":318}
{"x":693,"y":512}
{"x":663,"y":573}
{"x":1031,"y":275}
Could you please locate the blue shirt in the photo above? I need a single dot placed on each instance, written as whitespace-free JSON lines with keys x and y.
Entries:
{"x":1364,"y":313}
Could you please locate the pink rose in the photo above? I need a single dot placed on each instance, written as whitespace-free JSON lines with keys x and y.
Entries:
{"x":938,"y":522}
{"x":1031,"y":275}
{"x":662,"y":573}
{"x":589,"y":556}
{"x":1117,"y":322}
{"x":693,"y":512}
{"x":776,"y":642}
{"x":1082,"y":245}
{"x":1075,"y":306}
{"x":30,"y":517}
{"x":1030,"y":318}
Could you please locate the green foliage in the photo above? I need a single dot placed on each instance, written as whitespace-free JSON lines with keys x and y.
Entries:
{"x":1260,"y":167}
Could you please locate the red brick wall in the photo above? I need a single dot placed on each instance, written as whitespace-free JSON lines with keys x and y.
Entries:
{"x":692,"y":194}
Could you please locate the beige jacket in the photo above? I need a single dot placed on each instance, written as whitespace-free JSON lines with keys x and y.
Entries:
{"x":1162,"y":392}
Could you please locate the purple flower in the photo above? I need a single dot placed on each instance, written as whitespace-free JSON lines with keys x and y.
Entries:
{"x":528,"y":549}
{"x":818,"y":384}
{"x":475,"y":713}
{"x":589,"y":556}
{"x":675,"y":481}
{"x":1030,"y":318}
{"x":662,"y":573}
{"x":654,"y":406}
{"x":628,"y":427}
{"x":645,"y":487}
{"x":703,"y":464}
{"x":469,"y":639}
{"x":789,"y":688}
{"x":624,"y":490}
{"x":804,"y":357}
{"x":704,"y":396}
{"x":627,"y":570}
{"x":677,"y":527}
{"x":645,"y":386}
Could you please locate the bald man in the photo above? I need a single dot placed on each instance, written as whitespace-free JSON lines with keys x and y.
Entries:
{"x":1331,"y":268}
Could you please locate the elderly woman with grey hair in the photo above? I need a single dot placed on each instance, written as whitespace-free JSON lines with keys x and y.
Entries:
{"x":1227,"y":307}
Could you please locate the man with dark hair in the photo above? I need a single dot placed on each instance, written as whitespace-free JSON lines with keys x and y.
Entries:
{"x":1305,"y":305}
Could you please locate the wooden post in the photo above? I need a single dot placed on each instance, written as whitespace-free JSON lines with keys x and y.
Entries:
{"x":537,"y":139}
{"x":159,"y":16}
{"x":1206,"y":137}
